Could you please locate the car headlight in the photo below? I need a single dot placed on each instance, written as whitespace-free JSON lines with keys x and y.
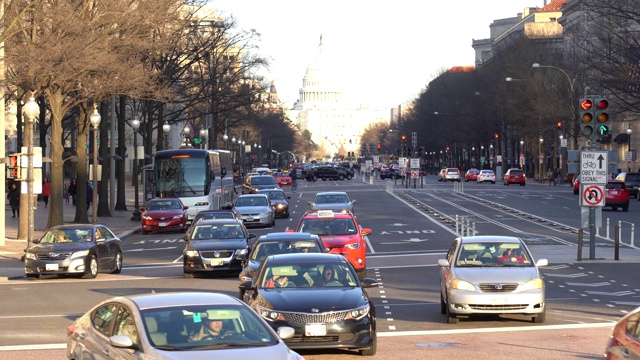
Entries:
{"x":144,"y":217}
{"x":192,"y":253}
{"x":462,"y":285}
{"x":269,"y":314}
{"x":353,"y":246}
{"x":241,"y":251}
{"x":532,"y":285}
{"x":246,"y":278}
{"x":358,"y":313}
{"x":178,"y":217}
{"x":266,"y":213}
{"x":280,"y":206}
{"x":79,"y":254}
{"x":30,"y":256}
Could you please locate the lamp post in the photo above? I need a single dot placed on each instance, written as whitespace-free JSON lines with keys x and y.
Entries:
{"x":186,"y":132}
{"x":540,"y":159}
{"x":166,"y":128}
{"x":523,"y":159}
{"x":95,"y":122}
{"x":225,"y":137}
{"x":135,"y":124}
{"x":203,"y":135}
{"x":629,"y":131}
{"x":30,"y":111}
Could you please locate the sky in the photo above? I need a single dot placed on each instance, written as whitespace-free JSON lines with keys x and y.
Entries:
{"x":387,"y":51}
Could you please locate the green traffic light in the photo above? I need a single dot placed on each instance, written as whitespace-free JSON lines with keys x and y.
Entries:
{"x":603,"y":130}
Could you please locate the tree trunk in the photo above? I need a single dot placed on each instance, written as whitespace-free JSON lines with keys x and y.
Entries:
{"x":81,"y":169}
{"x":56,"y":204}
{"x":103,"y":189}
{"x":159,"y":132}
{"x":121,"y":197}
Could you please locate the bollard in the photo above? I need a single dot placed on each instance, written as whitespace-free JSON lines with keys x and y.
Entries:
{"x":633,"y":230}
{"x":580,"y":234}
{"x":616,"y":243}
{"x":457,"y":223}
{"x":608,"y":237}
{"x":370,"y":179}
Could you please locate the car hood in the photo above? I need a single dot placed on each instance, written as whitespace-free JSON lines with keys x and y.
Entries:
{"x":331,"y":241}
{"x":225,"y":244}
{"x":60,"y":247}
{"x":333,"y":206}
{"x":305,"y":299}
{"x":251,"y":209}
{"x":166,"y":214}
{"x":268,"y":186}
{"x":279,"y":351}
{"x":512,"y":274}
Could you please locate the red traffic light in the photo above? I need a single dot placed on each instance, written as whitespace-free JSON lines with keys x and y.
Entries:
{"x":586,"y":104}
{"x":13,"y":160}
{"x":404,"y":138}
{"x":559,"y":125}
{"x":602,"y":104}
{"x":379,"y":147}
{"x":496,"y":136}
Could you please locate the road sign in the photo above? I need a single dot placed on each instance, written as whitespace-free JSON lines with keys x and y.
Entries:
{"x":415,"y":163}
{"x":593,"y":167}
{"x":403,"y":172}
{"x":592,"y":195}
{"x":415,"y":174}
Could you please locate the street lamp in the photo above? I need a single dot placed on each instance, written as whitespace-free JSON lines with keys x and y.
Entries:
{"x":166,"y":128}
{"x":186,"y":132}
{"x":135,"y":124}
{"x":540,"y":159}
{"x":225,"y":137}
{"x":203,"y":135}
{"x":30,"y":111}
{"x":522,"y":158}
{"x":95,"y":122}
{"x":629,"y":131}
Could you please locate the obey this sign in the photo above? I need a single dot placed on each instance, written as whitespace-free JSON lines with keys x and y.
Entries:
{"x":593,"y":167}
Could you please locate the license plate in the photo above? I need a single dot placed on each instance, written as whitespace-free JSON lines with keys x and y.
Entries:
{"x":216,"y":262}
{"x":249,"y":218}
{"x":315,"y":330}
{"x":51,"y":267}
{"x":499,"y":300}
{"x":162,"y":224}
{"x":614,"y":192}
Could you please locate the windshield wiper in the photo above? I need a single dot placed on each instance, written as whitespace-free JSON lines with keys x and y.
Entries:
{"x":228,"y":345}
{"x":169,"y":347}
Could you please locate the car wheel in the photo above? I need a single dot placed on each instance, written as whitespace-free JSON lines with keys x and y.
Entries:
{"x":34,"y":276}
{"x":625,"y":208}
{"x":273,"y":222}
{"x":117,"y":268}
{"x":341,"y":177}
{"x":539,"y":319}
{"x":443,"y":305}
{"x":451,"y":318}
{"x":370,"y":351}
{"x":523,"y":184}
{"x":349,"y":177}
{"x":92,"y":270}
{"x":144,"y":232}
{"x":506,"y":184}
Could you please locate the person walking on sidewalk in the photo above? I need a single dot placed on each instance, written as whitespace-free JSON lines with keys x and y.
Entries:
{"x":46,"y":191}
{"x":14,"y":199}
{"x":73,"y":191}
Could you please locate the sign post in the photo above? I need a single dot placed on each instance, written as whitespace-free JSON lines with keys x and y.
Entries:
{"x":593,"y":178}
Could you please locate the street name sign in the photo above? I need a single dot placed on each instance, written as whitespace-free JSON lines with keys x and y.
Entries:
{"x":594,"y":167}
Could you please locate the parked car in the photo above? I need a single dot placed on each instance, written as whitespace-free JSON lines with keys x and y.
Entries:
{"x":514,"y":176}
{"x":171,"y":326}
{"x":632,"y":181}
{"x":441,"y":175}
{"x":253,"y":184}
{"x":624,"y":342}
{"x":576,"y":185}
{"x":452,"y":174}
{"x":319,"y":296}
{"x":471,"y":175}
{"x":332,"y":200}
{"x":279,"y":201}
{"x":255,"y":209}
{"x":214,"y":247}
{"x":617,"y":195}
{"x":164,"y":214}
{"x":486,"y":176}
{"x":274,"y":244}
{"x":81,"y":250}
{"x":208,"y":215}
{"x":491,"y":275}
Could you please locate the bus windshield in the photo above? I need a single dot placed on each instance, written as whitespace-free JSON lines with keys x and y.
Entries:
{"x":181,"y":177}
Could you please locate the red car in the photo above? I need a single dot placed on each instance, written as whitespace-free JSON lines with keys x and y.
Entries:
{"x":471,"y":175}
{"x":625,"y":338}
{"x":283,"y":179}
{"x":617,"y":195}
{"x":576,"y":185}
{"x":340,"y":233}
{"x":515,"y":176}
{"x":164,"y":214}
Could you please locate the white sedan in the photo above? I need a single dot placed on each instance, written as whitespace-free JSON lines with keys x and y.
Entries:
{"x":486,"y":175}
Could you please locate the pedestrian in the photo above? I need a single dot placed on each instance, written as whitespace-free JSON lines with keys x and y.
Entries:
{"x":550,"y":176}
{"x":46,"y":191}
{"x":73,"y":191}
{"x":89,"y":194}
{"x":294,"y":180}
{"x":555,"y":177}
{"x":66,"y":193}
{"x":14,"y":199}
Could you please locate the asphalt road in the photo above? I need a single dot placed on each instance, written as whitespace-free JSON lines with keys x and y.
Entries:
{"x":410,"y":232}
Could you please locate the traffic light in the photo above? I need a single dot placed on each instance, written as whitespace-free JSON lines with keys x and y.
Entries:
{"x":602,"y":116}
{"x":587,"y":117}
{"x":404,"y":140}
{"x":13,"y":168}
{"x":496,"y":136}
{"x":379,"y":147}
{"x":559,"y":125}
{"x":253,"y":157}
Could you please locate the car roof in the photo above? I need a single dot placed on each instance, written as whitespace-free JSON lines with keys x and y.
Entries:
{"x":269,"y":190}
{"x":490,"y":238}
{"x":250,"y":195}
{"x":288,"y":236}
{"x":332,"y":193}
{"x":292,"y":258}
{"x":343,"y":214}
{"x":214,"y":211}
{"x":75,"y":226}
{"x":218,"y":221}
{"x":155,"y":300}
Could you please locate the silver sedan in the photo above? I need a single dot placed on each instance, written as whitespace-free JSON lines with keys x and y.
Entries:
{"x":185,"y":325}
{"x":491,"y":275}
{"x":255,"y":209}
{"x":332,"y":200}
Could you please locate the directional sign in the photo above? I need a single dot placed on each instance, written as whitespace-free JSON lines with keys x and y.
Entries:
{"x":592,"y":195}
{"x":593,"y":167}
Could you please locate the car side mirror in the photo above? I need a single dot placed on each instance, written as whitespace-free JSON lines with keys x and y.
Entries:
{"x":142,"y":209}
{"x":185,"y":207}
{"x":309,"y":202}
{"x":246,"y":285}
{"x":353,"y":201}
{"x":241,"y":257}
{"x":36,"y":241}
{"x":366,"y":231}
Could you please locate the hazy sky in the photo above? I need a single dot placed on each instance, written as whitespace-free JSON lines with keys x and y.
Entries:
{"x":388,"y":50}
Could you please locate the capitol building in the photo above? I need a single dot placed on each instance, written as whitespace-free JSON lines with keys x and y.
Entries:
{"x":335,"y":123}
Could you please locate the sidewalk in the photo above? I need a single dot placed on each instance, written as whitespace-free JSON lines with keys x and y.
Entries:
{"x":120,"y":223}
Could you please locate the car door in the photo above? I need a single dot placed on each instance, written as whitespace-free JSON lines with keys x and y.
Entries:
{"x":445,"y":271}
{"x":125,"y":325}
{"x":94,"y":337}
{"x":113,"y":244}
{"x":102,"y":249}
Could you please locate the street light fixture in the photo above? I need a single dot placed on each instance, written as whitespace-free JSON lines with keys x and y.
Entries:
{"x":95,"y":122}
{"x":186,"y":132}
{"x":135,"y":124}
{"x":166,"y":128}
{"x":30,"y":111}
{"x":203,"y":135}
{"x":629,"y":131}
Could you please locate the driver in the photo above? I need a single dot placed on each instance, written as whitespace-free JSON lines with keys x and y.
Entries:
{"x":211,"y":329}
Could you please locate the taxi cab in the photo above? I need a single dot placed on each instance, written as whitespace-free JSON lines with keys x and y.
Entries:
{"x":340,"y":233}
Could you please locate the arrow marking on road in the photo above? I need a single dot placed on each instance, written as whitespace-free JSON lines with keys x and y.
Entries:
{"x":619,"y":293}
{"x":589,"y":284}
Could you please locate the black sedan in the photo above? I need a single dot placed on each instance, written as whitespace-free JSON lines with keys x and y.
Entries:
{"x":81,"y":250}
{"x":279,"y":201}
{"x":273,"y":244}
{"x":214,"y":246}
{"x":320,"y":296}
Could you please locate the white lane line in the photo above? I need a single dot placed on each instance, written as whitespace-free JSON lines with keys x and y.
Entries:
{"x":505,"y":329}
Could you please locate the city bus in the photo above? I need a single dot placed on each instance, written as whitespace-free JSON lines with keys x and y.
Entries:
{"x":196,"y":176}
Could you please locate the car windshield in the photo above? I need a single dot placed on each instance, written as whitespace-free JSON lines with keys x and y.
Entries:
{"x":79,"y":234}
{"x":492,"y":254}
{"x":263,"y":180}
{"x":163,"y":205}
{"x":185,"y":327}
{"x":331,"y":199}
{"x":328,"y":227}
{"x":308,"y":274}
{"x":267,"y":248}
{"x":217,"y":232}
{"x":214,"y":215}
{"x":252,"y":201}
{"x":275,"y":195}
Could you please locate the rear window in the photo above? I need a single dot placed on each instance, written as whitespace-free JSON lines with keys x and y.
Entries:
{"x":632,"y":179}
{"x":615,"y":185}
{"x":452,"y":171}
{"x":516,"y":172}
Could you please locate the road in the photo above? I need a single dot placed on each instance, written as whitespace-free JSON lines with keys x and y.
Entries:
{"x":410,"y":232}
